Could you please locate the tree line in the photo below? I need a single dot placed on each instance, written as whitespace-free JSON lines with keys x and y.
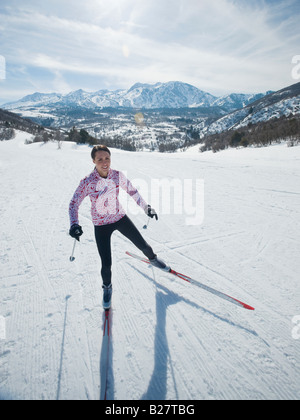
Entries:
{"x":83,"y":137}
{"x":259,"y":134}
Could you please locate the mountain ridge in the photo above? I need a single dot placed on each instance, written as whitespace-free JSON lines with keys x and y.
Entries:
{"x":140,"y":95}
{"x":285,"y":102}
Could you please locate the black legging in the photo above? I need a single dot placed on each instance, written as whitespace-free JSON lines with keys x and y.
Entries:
{"x":103,"y":239}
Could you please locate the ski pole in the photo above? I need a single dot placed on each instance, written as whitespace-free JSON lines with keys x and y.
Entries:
{"x":72,"y":258}
{"x":146,"y":226}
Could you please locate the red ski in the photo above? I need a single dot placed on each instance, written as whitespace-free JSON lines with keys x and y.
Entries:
{"x":198,"y":284}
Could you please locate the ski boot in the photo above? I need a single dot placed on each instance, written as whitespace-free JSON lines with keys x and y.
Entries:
{"x":107,"y":294}
{"x":156,"y":262}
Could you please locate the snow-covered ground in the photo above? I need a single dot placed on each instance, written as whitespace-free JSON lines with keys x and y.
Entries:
{"x":170,"y":340}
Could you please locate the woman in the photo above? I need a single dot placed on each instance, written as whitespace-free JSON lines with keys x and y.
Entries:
{"x":102,"y":186}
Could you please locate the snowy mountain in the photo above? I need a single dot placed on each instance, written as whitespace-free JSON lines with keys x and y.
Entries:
{"x":167,"y":95}
{"x":161,"y":95}
{"x":285,"y":102}
{"x":39,"y":98}
{"x":237,"y":100}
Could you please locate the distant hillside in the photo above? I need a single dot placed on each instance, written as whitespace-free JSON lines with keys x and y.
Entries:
{"x":9,"y":120}
{"x":285,"y":102}
{"x":263,"y":133}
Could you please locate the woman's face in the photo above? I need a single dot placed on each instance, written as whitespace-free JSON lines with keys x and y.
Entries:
{"x":102,"y":161}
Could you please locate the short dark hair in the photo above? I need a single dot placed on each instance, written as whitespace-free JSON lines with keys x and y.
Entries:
{"x":99,"y":148}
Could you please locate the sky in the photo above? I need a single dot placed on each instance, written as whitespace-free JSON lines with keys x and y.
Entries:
{"x":219,"y":46}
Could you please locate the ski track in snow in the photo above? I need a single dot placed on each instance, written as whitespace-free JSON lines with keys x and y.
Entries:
{"x":169,"y":340}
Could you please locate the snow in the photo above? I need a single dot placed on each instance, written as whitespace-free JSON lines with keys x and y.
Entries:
{"x":159,"y":95}
{"x":169,"y":340}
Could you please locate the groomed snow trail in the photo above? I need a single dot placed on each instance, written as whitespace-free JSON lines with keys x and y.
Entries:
{"x":169,"y":340}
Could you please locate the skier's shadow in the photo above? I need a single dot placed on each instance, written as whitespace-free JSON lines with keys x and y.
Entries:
{"x":157,"y":388}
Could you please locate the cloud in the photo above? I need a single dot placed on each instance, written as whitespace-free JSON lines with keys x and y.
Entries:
{"x":218,"y":45}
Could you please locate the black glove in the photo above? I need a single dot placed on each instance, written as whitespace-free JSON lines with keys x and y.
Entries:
{"x":76,"y":231}
{"x":151,"y":212}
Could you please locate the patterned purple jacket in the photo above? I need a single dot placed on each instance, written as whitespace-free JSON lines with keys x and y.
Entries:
{"x":104,"y":196}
